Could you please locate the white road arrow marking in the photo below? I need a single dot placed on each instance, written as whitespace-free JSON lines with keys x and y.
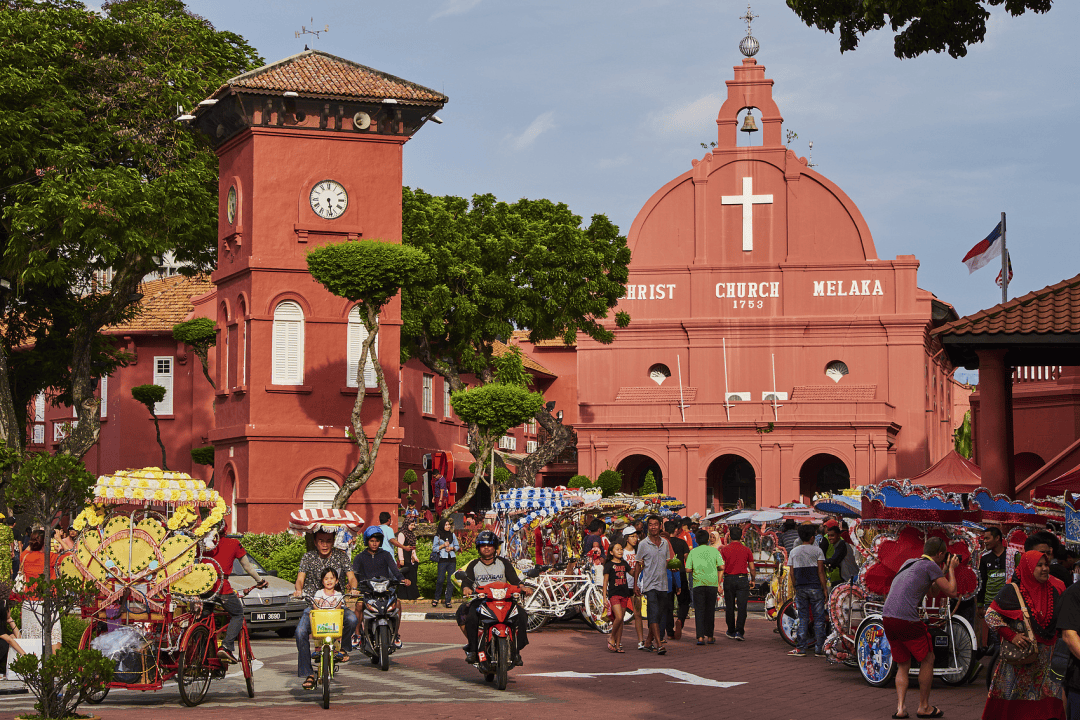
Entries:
{"x":682,"y":678}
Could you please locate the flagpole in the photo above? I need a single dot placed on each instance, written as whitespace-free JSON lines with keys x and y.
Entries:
{"x":1004,"y":264}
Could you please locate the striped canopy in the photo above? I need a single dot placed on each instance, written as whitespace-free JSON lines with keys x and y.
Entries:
{"x":323,"y":520}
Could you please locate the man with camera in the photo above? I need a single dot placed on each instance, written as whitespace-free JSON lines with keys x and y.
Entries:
{"x":905,"y":630}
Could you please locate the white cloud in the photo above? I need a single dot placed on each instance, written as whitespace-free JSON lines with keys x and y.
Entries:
{"x":608,"y":163}
{"x":540,"y":125}
{"x":689,"y":118}
{"x":456,"y":7}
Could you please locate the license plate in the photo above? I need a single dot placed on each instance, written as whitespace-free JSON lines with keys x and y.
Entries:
{"x":941,"y":641}
{"x":267,"y":616}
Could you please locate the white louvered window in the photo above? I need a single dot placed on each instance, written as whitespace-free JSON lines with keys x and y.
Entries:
{"x":358,"y":333}
{"x":103,"y":385}
{"x":60,"y":429}
{"x":163,"y":376}
{"x":426,"y":394}
{"x":320,"y":493}
{"x":447,"y":408}
{"x":288,"y":361}
{"x":243,"y":352}
{"x":530,"y":446}
{"x":530,"y":426}
{"x":38,"y":437}
{"x":508,"y":442}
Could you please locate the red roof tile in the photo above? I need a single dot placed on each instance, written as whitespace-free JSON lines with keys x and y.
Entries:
{"x":655,"y":394}
{"x":499,"y":349}
{"x":314,"y":72}
{"x":1054,"y":309}
{"x":165,"y":302}
{"x":845,"y":393}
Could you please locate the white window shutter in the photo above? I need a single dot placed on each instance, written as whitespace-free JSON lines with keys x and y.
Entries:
{"x":103,"y":385}
{"x":358,"y":334}
{"x":243,"y":358}
{"x":39,"y":408}
{"x":163,"y":376}
{"x":288,"y":338}
{"x":320,"y":493}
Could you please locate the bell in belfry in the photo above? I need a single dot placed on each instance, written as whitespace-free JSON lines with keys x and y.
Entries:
{"x":749,"y":126}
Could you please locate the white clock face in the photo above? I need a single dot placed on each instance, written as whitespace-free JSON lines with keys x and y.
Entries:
{"x":329,"y":199}
{"x":231,"y":205}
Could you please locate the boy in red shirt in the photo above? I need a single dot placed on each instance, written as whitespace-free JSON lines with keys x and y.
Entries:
{"x":225,"y":551}
{"x":738,"y":580}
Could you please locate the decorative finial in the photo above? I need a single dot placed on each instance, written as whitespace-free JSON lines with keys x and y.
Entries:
{"x":749,"y":45}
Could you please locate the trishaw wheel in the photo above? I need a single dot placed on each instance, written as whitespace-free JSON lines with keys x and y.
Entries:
{"x":94,"y":698}
{"x":502,"y":662}
{"x":192,"y":671}
{"x":965,"y":655}
{"x":787,"y":623}
{"x":873,"y":653}
{"x":326,"y":669}
{"x":538,"y":609}
{"x":245,"y":664}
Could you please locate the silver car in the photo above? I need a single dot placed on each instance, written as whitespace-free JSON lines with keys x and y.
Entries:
{"x":271,"y":608}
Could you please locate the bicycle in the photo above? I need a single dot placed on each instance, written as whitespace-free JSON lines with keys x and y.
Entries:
{"x":554,"y":594}
{"x":327,"y":627}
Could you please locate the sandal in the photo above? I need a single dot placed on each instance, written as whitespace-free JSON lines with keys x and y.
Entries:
{"x":935,"y":713}
{"x":310,"y":683}
{"x":620,"y":649}
{"x":434,"y":603}
{"x":662,"y":650}
{"x":612,"y":648}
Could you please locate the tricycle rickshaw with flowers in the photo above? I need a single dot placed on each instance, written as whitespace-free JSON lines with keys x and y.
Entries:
{"x":139,"y":543}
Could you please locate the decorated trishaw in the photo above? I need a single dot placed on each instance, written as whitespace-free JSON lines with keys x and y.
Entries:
{"x":139,"y":544}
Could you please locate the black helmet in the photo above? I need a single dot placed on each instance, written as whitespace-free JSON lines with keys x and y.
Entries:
{"x":488,"y":538}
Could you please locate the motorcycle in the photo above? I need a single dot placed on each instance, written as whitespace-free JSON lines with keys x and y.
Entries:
{"x":496,"y":639}
{"x":381,"y":611}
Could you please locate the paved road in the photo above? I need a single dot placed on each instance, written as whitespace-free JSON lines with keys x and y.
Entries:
{"x":568,"y":672}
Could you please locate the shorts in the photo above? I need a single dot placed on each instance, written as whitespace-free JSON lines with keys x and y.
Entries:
{"x":620,"y":606}
{"x":657,"y":607}
{"x":907,"y":639}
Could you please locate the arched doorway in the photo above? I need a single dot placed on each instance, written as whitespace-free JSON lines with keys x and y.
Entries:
{"x":1025,"y":464}
{"x":823,"y":473}
{"x":634,"y":468}
{"x":730,"y":478}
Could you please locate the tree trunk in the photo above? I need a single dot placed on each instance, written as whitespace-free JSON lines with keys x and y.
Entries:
{"x":560,"y":437}
{"x":365,"y":465}
{"x":483,"y":450}
{"x":157,"y":429}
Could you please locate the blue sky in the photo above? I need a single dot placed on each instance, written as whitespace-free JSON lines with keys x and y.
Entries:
{"x":599,"y":103}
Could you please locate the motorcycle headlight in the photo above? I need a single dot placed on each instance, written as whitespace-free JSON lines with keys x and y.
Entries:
{"x":498,"y":593}
{"x":380,"y":587}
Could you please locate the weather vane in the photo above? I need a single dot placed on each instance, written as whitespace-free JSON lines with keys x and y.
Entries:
{"x":749,"y":45}
{"x":304,"y":31}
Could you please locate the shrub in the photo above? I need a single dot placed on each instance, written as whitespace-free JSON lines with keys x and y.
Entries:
{"x":609,"y":482}
{"x":262,"y":545}
{"x":648,"y":486}
{"x":580,"y":481}
{"x":203,"y":455}
{"x":71,"y":630}
{"x":286,"y":560}
{"x":59,"y":681}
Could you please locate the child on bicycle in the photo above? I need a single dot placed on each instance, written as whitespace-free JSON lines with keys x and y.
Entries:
{"x":327,"y":597}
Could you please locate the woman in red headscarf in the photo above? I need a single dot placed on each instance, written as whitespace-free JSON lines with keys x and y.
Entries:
{"x":1026,"y":691}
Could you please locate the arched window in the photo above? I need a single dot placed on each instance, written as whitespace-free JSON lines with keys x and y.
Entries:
{"x":836,"y":370}
{"x":320,"y":493}
{"x":357,"y":335}
{"x":288,"y":362}
{"x":658,"y":373}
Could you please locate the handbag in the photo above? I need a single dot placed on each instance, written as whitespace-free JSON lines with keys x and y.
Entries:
{"x":1013,"y":653}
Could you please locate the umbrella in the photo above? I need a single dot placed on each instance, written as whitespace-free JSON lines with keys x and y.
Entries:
{"x":323,"y":520}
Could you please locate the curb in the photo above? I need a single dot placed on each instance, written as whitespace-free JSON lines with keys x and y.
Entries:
{"x":413,"y":616}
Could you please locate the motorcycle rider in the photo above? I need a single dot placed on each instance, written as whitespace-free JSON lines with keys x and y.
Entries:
{"x":489,"y":568}
{"x":375,"y":562}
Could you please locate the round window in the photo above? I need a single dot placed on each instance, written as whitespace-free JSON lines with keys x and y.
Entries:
{"x":658,"y":373}
{"x":836,"y":370}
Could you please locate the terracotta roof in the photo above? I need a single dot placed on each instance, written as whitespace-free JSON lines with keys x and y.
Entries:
{"x":523,"y":336}
{"x":499,"y":349}
{"x":655,"y":394}
{"x":1054,"y":309}
{"x":845,"y":393}
{"x":314,"y":72}
{"x":165,"y":302}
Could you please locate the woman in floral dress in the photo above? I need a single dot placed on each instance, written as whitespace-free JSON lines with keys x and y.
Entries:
{"x":1023,"y":692}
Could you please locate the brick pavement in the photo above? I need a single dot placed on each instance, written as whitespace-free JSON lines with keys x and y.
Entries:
{"x":429,"y":679}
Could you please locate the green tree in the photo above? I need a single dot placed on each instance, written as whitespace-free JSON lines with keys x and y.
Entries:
{"x":500,"y":267}
{"x":489,"y":411}
{"x":962,"y":440}
{"x":97,"y":178}
{"x":150,"y":396}
{"x":921,"y":26}
{"x":369,"y":273}
{"x":648,"y":485}
{"x":581,"y":482}
{"x":610,"y":482}
{"x":201,"y":335}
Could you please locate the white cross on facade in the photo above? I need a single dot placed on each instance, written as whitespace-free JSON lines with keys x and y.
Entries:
{"x":748,"y":199}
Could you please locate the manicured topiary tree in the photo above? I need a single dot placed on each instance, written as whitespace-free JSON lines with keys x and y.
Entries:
{"x":648,"y":485}
{"x":579,"y":482}
{"x":610,"y":482}
{"x":201,"y":335}
{"x":150,"y":396}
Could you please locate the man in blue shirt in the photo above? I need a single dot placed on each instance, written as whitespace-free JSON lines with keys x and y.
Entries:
{"x":390,"y":540}
{"x":375,"y":562}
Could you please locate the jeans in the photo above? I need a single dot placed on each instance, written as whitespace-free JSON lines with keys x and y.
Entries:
{"x":705,"y":610}
{"x":447,"y":567}
{"x":235,"y":608}
{"x":659,"y":609}
{"x":1074,"y":704}
{"x":810,"y":600}
{"x":681,"y":594}
{"x":736,"y":595}
{"x":303,"y":635}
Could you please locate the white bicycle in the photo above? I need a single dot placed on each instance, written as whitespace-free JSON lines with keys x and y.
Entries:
{"x":557,"y":594}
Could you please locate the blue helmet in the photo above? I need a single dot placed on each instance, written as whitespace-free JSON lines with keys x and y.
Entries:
{"x":373,"y":531}
{"x":488,"y":538}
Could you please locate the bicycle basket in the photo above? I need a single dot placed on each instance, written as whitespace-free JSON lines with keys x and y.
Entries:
{"x":327,"y":623}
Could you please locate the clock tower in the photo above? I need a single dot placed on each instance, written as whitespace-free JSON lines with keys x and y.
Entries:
{"x":310,"y":152}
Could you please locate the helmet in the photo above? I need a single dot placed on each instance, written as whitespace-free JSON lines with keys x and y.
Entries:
{"x":488,"y":538}
{"x":373,"y":531}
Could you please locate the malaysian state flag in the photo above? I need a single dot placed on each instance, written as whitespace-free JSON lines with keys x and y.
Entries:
{"x":1008,"y":261}
{"x":984,"y":251}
